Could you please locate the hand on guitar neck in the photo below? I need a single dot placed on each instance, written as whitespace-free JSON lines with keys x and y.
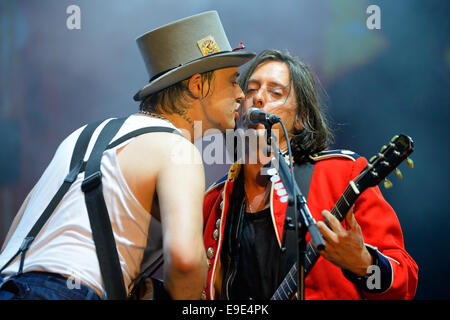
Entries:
{"x":344,"y":247}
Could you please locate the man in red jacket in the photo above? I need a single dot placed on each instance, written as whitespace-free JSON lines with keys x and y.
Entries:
{"x":244,"y":214}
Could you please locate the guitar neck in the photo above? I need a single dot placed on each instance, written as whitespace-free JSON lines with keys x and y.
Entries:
{"x":346,"y":201}
{"x":288,"y":286}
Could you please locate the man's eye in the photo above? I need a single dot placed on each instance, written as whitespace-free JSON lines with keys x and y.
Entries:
{"x":276,"y":93}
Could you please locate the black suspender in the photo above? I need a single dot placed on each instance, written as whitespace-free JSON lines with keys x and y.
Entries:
{"x":98,"y":215}
{"x":102,"y":232}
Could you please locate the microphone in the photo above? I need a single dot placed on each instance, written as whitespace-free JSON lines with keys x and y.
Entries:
{"x":254,"y":116}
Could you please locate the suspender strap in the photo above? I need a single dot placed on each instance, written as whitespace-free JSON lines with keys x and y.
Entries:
{"x":138,"y":132}
{"x":303,"y":174}
{"x":102,"y":233}
{"x":75,"y":165}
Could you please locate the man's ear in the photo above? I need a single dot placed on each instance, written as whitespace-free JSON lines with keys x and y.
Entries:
{"x":195,"y":86}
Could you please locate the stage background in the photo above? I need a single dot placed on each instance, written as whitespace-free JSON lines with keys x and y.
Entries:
{"x":379,"y":83}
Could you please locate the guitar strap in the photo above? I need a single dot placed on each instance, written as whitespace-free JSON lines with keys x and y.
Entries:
{"x":98,"y":215}
{"x":303,"y":174}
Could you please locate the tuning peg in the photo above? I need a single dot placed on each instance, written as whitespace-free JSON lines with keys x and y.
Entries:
{"x":372,"y":159}
{"x":410,"y":162}
{"x":387,"y":184}
{"x":383,"y":148}
{"x":399,"y":173}
{"x":394,"y":138}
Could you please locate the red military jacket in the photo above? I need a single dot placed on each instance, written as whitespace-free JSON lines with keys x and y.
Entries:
{"x":379,"y":224}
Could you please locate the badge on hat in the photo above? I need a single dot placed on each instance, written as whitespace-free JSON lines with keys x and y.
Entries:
{"x":208,"y":45}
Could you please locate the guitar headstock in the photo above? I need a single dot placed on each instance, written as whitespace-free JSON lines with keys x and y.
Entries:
{"x":386,"y":161}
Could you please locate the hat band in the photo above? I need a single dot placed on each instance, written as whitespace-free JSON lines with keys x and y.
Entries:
{"x":161,"y":73}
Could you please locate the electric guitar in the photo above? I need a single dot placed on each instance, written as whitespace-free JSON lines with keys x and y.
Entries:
{"x":378,"y":167}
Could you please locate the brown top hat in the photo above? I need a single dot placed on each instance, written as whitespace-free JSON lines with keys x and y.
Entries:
{"x":178,"y":50}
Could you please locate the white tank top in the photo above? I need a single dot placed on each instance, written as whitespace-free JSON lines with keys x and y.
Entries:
{"x":65,"y":245}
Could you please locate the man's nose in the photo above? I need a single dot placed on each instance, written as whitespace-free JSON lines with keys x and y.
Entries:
{"x":258,"y":99}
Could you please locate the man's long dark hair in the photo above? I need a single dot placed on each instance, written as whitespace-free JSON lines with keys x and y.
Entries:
{"x":316,"y":135}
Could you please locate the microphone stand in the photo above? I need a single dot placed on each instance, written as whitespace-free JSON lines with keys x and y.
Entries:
{"x":304,"y":222}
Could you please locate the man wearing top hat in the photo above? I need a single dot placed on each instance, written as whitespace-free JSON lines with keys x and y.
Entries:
{"x":152,"y":191}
